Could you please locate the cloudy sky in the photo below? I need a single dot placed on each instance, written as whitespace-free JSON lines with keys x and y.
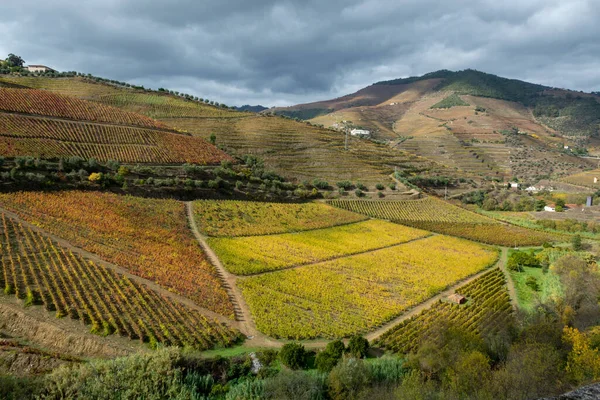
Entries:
{"x":288,"y":52}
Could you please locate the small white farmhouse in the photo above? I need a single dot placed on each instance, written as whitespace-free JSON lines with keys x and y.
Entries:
{"x":39,"y":68}
{"x":514,"y":185}
{"x":550,"y":208}
{"x":360,"y":132}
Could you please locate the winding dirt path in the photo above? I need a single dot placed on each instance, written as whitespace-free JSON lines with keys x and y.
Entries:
{"x":241,"y":309}
{"x":118,"y":269}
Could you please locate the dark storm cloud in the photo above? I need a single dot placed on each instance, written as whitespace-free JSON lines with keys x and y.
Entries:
{"x":286,"y":52}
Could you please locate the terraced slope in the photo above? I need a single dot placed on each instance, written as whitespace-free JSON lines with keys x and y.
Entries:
{"x":292,"y":149}
{"x":232,"y":218}
{"x":439,"y":216}
{"x":150,"y":238}
{"x":487,"y":309}
{"x":42,"y":124}
{"x":39,"y":271}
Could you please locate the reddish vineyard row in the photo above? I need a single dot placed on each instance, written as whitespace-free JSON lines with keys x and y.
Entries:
{"x":150,"y":238}
{"x":488,"y":308}
{"x":24,"y":135}
{"x":41,"y":102}
{"x":37,"y":270}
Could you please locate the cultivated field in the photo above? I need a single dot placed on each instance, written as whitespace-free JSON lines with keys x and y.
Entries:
{"x":250,"y":218}
{"x":584,"y":179}
{"x":358,"y":293}
{"x":42,"y":102}
{"x":50,"y":138}
{"x":148,"y":237}
{"x":37,"y":270}
{"x":439,"y":216}
{"x":488,"y":309}
{"x":255,"y":254}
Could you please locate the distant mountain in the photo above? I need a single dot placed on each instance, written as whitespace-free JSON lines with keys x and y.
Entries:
{"x":470,"y":120}
{"x":254,"y":109}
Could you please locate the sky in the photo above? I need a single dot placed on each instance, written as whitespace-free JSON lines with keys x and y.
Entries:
{"x":279,"y":53}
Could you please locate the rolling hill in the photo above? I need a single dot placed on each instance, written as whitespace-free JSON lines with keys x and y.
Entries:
{"x":297,"y":150}
{"x":43,"y":124}
{"x":477,"y":122}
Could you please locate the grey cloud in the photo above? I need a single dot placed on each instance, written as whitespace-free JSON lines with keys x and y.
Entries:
{"x":286,"y":52}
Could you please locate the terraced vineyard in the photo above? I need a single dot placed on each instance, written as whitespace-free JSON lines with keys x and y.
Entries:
{"x":358,"y":293}
{"x":154,"y":105}
{"x":49,"y":138}
{"x":37,"y":270}
{"x":584,"y":179}
{"x":428,"y":209}
{"x":251,"y":255}
{"x":165,"y":106}
{"x":439,"y":216}
{"x":302,"y":151}
{"x":42,"y":102}
{"x":488,"y":308}
{"x":148,"y":237}
{"x":251,"y":218}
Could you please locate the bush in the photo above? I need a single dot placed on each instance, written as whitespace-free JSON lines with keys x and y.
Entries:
{"x":347,"y":379}
{"x":392,"y":186}
{"x":520,"y":259}
{"x":148,"y":376}
{"x":361,"y":187}
{"x":295,"y":385}
{"x":345,"y":185}
{"x":532,"y":283}
{"x":387,"y":370}
{"x":320,"y":184}
{"x":380,"y":186}
{"x":359,"y":193}
{"x":576,"y":243}
{"x":95,"y":177}
{"x":293,"y":355}
{"x":328,"y":358}
{"x":358,"y":346}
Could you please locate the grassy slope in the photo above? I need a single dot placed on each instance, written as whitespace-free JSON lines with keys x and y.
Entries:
{"x":549,"y":287}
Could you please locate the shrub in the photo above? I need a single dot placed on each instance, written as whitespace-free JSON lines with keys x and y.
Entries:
{"x":344,"y":185}
{"x":95,"y":177}
{"x":361,"y":186}
{"x":392,"y":186}
{"x":148,"y":376}
{"x":295,"y":385}
{"x":359,"y":193}
{"x":532,"y":283}
{"x":347,"y":379}
{"x":380,"y":186}
{"x":320,"y":184}
{"x":293,"y":355}
{"x":576,"y":243}
{"x":358,"y":346}
{"x":386,"y":370}
{"x":328,"y":358}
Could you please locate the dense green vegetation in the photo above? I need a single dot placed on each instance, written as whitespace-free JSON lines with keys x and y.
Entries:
{"x":304,"y":114}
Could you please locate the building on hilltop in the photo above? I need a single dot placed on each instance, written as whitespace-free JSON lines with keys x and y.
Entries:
{"x":39,"y":68}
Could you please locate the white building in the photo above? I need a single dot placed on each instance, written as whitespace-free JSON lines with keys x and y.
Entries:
{"x":550,"y":208}
{"x":39,"y":68}
{"x":360,"y":132}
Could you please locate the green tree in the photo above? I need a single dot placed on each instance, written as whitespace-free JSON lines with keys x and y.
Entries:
{"x":348,"y":379}
{"x":358,"y":346}
{"x":213,"y":138}
{"x":14,"y":61}
{"x":328,"y":358}
{"x":293,"y":355}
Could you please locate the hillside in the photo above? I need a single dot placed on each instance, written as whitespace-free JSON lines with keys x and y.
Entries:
{"x":476,"y":122}
{"x":42,"y":124}
{"x":296,"y":150}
